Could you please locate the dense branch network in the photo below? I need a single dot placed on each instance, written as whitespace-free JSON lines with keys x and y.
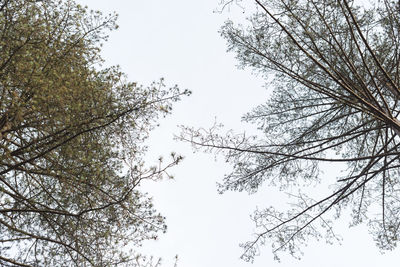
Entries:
{"x":71,"y":141}
{"x":336,"y":89}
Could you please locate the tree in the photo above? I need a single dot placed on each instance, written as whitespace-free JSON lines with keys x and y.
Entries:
{"x":71,"y":141}
{"x":335,"y":69}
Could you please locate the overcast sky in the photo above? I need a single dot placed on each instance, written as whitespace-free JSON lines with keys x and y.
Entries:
{"x":179,"y":40}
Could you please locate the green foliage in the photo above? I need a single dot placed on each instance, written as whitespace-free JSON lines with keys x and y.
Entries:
{"x":71,"y":141}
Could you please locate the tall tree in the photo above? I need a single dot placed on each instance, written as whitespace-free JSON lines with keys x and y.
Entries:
{"x":71,"y":141}
{"x":336,"y":79}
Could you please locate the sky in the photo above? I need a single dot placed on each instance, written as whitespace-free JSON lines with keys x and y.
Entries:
{"x":179,"y":41}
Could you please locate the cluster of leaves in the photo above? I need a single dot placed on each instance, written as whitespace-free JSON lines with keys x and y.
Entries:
{"x":336,"y":89}
{"x":71,"y":141}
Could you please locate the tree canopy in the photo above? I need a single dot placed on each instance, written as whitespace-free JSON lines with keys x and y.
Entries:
{"x":335,"y":99}
{"x":71,"y":141}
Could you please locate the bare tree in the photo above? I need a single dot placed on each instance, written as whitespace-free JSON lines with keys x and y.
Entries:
{"x":336,"y":84}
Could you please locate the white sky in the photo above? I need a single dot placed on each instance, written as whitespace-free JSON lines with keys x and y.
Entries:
{"x":179,"y":40}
